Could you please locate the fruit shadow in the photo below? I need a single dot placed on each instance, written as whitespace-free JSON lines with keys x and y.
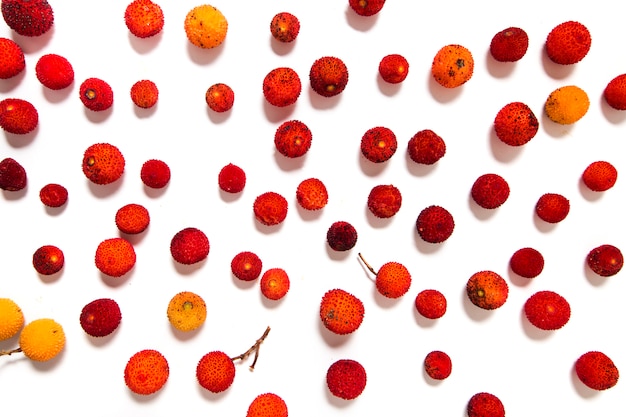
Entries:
{"x":144,"y":45}
{"x":331,"y":339}
{"x":265,"y":229}
{"x":553,"y":129}
{"x":479,"y":212}
{"x":612,"y":115}
{"x":57,"y":96}
{"x":98,"y":342}
{"x":425,"y":247}
{"x":333,"y":400}
{"x":281,"y":48}
{"x":154,"y":192}
{"x":358,"y":22}
{"x":496,"y":68}
{"x":145,"y":399}
{"x":307,"y":215}
{"x":501,"y":151}
{"x":423,"y":322}
{"x":588,"y":194}
{"x":205,"y":56}
{"x":289,"y":164}
{"x":440,"y":93}
{"x":518,"y":280}
{"x":554,"y":70}
{"x":275,"y":114}
{"x":319,"y":102}
{"x":184,"y":336}
{"x":188,"y":270}
{"x":369,"y":168}
{"x":115,"y":282}
{"x":416,"y":169}
{"x":430,"y":381}
{"x":105,"y":190}
{"x":376,"y":222}
{"x":337,"y":255}
{"x":21,"y":140}
{"x":212,"y":396}
{"x":97,"y":116}
{"x":531,"y":331}
{"x":542,"y":225}
{"x":475,"y":313}
{"x":50,"y":279}
{"x":580,"y":388}
{"x":55,"y":211}
{"x":142,"y":113}
{"x":387,"y":89}
{"x":135,"y":238}
{"x":241,"y":284}
{"x":218,"y":117}
{"x":14,"y":195}
{"x":9,"y":84}
{"x":593,"y":278}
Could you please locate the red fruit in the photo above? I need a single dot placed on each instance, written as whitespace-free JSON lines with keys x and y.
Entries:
{"x":341,"y":236}
{"x":605,"y":260}
{"x":552,"y":208}
{"x":275,"y":283}
{"x":220,"y":97}
{"x":596,"y":370}
{"x":189,"y":246}
{"x":378,"y":144}
{"x":144,"y":18}
{"x":282,"y":87}
{"x":438,"y":365}
{"x":146,"y":372}
{"x":366,"y":7}
{"x":246,"y":266}
{"x":341,"y":312}
{"x":599,"y":176}
{"x":434,"y":224}
{"x":96,"y":94}
{"x":48,"y":260}
{"x":509,"y":45}
{"x":100,"y":317}
{"x":346,"y":379}
{"x":28,"y":17}
{"x":490,"y":191}
{"x":431,"y":304}
{"x":328,"y":76}
{"x":144,"y":93}
{"x":312,"y":194}
{"x":485,"y":404}
{"x":231,"y":179}
{"x":215,"y":371}
{"x":270,"y":208}
{"x":54,"y":72}
{"x":527,"y":262}
{"x":393,"y":68}
{"x":516,"y":124}
{"x":547,"y":310}
{"x":103,"y":163}
{"x":487,"y":290}
{"x":115,"y":257}
{"x":53,"y":195}
{"x":267,"y":405}
{"x":132,"y":218}
{"x":285,"y":27}
{"x":426,"y":147}
{"x":568,"y":43}
{"x":18,"y":116}
{"x":615,"y":92}
{"x":12,"y":60}
{"x":293,"y":138}
{"x":12,"y":175}
{"x":155,"y":173}
{"x":393,"y":280}
{"x":384,"y":201}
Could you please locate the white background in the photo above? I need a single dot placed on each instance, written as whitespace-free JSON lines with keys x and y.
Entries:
{"x":531,"y":371}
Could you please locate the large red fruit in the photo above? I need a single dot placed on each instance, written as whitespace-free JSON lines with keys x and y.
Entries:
{"x":384,"y":200}
{"x":393,"y":68}
{"x":12,"y":60}
{"x":527,"y":262}
{"x":605,"y":260}
{"x":378,"y":144}
{"x":96,"y":94}
{"x":155,"y":173}
{"x":146,"y":372}
{"x":18,"y":116}
{"x":485,"y":404}
{"x":431,"y":304}
{"x":341,"y":236}
{"x":267,"y":405}
{"x":54,"y":72}
{"x":270,"y":208}
{"x":516,"y":124}
{"x":547,"y":310}
{"x":115,"y":256}
{"x":293,"y":138}
{"x":438,"y":365}
{"x":274,"y":283}
{"x":215,"y":371}
{"x":599,"y":176}
{"x":246,"y":266}
{"x":341,"y":312}
{"x":189,"y":246}
{"x":426,"y":147}
{"x":103,"y":163}
{"x":100,"y":317}
{"x":28,"y":17}
{"x":487,"y":290}
{"x":328,"y":76}
{"x":282,"y":87}
{"x":615,"y":92}
{"x":490,"y":191}
{"x":144,"y":18}
{"x":552,"y":207}
{"x":509,"y":45}
{"x":312,"y":194}
{"x":346,"y":379}
{"x":48,"y":260}
{"x":434,"y":224}
{"x":568,"y":43}
{"x":596,"y":370}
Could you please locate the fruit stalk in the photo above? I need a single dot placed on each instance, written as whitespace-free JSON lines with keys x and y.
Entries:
{"x":254,"y":348}
{"x":367,"y":265}
{"x":10,"y":352}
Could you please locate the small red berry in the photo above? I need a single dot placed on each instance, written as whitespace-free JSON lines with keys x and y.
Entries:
{"x":341,"y":236}
{"x":293,"y":138}
{"x":552,"y":208}
{"x":53,"y":195}
{"x":220,"y":97}
{"x":270,"y":208}
{"x":12,"y":175}
{"x":599,"y":176}
{"x":378,"y":144}
{"x":509,"y":45}
{"x":18,"y":116}
{"x":426,"y":147}
{"x":434,"y":224}
{"x":605,"y":260}
{"x":144,"y":93}
{"x":54,"y":72}
{"x":96,"y":94}
{"x":155,"y":173}
{"x":346,"y":379}
{"x":231,"y":179}
{"x":48,"y":260}
{"x":527,"y":262}
{"x":393,"y":68}
{"x":246,"y":266}
{"x":189,"y":246}
{"x":12,"y":60}
{"x":438,"y":365}
{"x":431,"y":304}
{"x":490,"y":191}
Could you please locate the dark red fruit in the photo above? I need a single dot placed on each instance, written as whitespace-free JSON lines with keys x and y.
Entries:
{"x":431,"y":304}
{"x":18,"y":116}
{"x":53,"y":195}
{"x":328,"y":76}
{"x":384,"y":201}
{"x":155,"y":173}
{"x":379,"y":144}
{"x":485,"y":404}
{"x":48,"y":260}
{"x":346,"y":379}
{"x":438,"y":365}
{"x":12,"y":175}
{"x":231,"y":179}
{"x":547,"y":310}
{"x":552,"y":208}
{"x":189,"y":246}
{"x":490,"y":191}
{"x":341,"y":236}
{"x":426,"y":147}
{"x":605,"y":260}
{"x":596,"y":370}
{"x":527,"y":262}
{"x":293,"y":138}
{"x":246,"y":266}
{"x":28,"y":17}
{"x":100,"y":317}
{"x":96,"y":94}
{"x":509,"y":45}
{"x":434,"y":224}
{"x":393,"y":68}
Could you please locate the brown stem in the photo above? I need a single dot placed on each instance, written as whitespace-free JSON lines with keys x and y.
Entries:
{"x":10,"y":352}
{"x":254,"y":348}
{"x":367,"y":265}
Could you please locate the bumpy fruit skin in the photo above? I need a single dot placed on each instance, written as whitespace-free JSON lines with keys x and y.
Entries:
{"x":426,"y":147}
{"x":115,"y":257}
{"x":596,"y":370}
{"x":312,"y":194}
{"x":11,"y":318}
{"x":48,"y":260}
{"x":487,"y":290}
{"x":379,"y":144}
{"x":527,"y":262}
{"x":220,"y":97}
{"x":509,"y":45}
{"x":205,"y":26}
{"x":18,"y":116}
{"x":341,"y":312}
{"x":393,"y":280}
{"x":434,"y":224}
{"x":54,"y":71}
{"x":246,"y":266}
{"x":346,"y":379}
{"x":547,"y":310}
{"x":516,"y":124}
{"x":275,"y":283}
{"x":100,"y":317}
{"x":144,"y":93}
{"x":431,"y":304}
{"x":328,"y":76}
{"x":155,"y":173}
{"x":615,"y":92}
{"x":12,"y":60}
{"x":567,"y":105}
{"x":103,"y":163}
{"x":12,"y":175}
{"x":144,"y":18}
{"x":231,"y":179}
{"x":393,"y":68}
{"x":452,"y":66}
{"x":438,"y":365}
{"x":293,"y":139}
{"x":552,"y":208}
{"x":186,"y":311}
{"x":146,"y":372}
{"x":28,"y":17}
{"x":490,"y":191}
{"x":189,"y":246}
{"x":605,"y":260}
{"x":270,"y":208}
{"x":282,"y":87}
{"x":132,"y":218}
{"x":42,"y":339}
{"x":485,"y":404}
{"x":599,"y":176}
{"x":285,"y":27}
{"x":384,"y":201}
{"x":568,"y":43}
{"x":96,"y":94}
{"x":341,"y":236}
{"x":267,"y":405}
{"x":366,"y":7}
{"x":215,"y":372}
{"x":53,"y":195}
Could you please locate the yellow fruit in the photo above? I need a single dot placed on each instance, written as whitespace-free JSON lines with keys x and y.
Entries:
{"x":11,"y":318}
{"x":567,"y":105}
{"x":206,"y":26}
{"x":42,"y":339}
{"x":186,"y":311}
